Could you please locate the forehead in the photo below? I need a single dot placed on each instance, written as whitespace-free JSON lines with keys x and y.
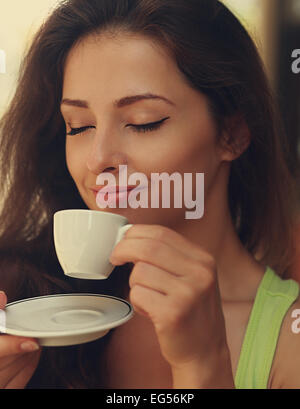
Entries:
{"x":102,"y":70}
{"x":113,"y":66}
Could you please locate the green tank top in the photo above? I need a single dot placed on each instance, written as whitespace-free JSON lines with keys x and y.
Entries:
{"x":273,"y":298}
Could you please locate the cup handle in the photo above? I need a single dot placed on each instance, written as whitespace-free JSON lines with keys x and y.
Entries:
{"x":121,"y":232}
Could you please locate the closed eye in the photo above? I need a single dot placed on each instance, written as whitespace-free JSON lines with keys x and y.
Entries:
{"x":76,"y":131}
{"x":148,"y":127}
{"x":137,"y":128}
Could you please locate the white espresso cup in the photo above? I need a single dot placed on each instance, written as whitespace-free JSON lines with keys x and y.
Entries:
{"x":84,"y":240}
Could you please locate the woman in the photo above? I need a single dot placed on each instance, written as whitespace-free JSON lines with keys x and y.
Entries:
{"x":159,"y":86}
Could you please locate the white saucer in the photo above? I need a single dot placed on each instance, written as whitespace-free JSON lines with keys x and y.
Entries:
{"x":65,"y":319}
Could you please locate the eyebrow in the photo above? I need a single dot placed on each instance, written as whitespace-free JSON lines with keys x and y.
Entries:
{"x":118,"y":103}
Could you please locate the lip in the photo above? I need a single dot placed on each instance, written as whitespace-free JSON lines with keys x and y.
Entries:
{"x":110,"y":197}
{"x":116,"y":196}
{"x":112,"y":189}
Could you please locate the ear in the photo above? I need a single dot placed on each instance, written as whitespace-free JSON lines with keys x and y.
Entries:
{"x":235,"y":138}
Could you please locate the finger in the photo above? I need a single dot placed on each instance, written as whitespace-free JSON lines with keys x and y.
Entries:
{"x":145,"y":300}
{"x":10,"y":366}
{"x":21,"y":373}
{"x":8,"y":360}
{"x":168,"y":236}
{"x":152,"y":277}
{"x":3,"y":300}
{"x":10,"y":345}
{"x":152,"y":252}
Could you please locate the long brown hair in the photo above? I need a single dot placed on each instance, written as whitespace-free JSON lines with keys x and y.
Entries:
{"x":219,"y":59}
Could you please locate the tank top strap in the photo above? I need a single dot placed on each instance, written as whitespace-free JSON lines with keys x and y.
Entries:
{"x":273,"y":298}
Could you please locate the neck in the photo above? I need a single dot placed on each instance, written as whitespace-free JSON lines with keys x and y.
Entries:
{"x":238,"y":271}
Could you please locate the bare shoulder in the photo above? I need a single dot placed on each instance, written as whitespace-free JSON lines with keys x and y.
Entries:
{"x":285,"y":371}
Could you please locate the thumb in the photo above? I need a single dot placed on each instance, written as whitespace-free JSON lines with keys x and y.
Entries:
{"x":3,"y":300}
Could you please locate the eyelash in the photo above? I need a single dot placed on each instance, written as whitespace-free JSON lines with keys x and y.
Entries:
{"x":137,"y":128}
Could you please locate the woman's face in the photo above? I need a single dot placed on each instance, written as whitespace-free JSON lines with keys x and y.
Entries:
{"x":108,"y":69}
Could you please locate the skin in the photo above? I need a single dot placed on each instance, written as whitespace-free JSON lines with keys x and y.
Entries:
{"x":18,"y":357}
{"x":184,"y":278}
{"x":181,"y":266}
{"x":185,"y":143}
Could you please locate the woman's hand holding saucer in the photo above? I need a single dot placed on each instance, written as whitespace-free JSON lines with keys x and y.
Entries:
{"x":19,"y":357}
{"x":174,"y":283}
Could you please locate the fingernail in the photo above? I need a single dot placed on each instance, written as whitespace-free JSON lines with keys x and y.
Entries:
{"x":29,"y":346}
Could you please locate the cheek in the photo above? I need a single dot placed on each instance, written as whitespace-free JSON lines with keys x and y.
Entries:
{"x":75,"y":159}
{"x":192,"y":149}
{"x":188,"y":149}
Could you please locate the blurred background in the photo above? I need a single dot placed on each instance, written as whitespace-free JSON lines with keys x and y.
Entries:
{"x":273,"y":24}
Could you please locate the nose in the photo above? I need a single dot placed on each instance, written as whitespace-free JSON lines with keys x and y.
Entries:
{"x":105,"y":155}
